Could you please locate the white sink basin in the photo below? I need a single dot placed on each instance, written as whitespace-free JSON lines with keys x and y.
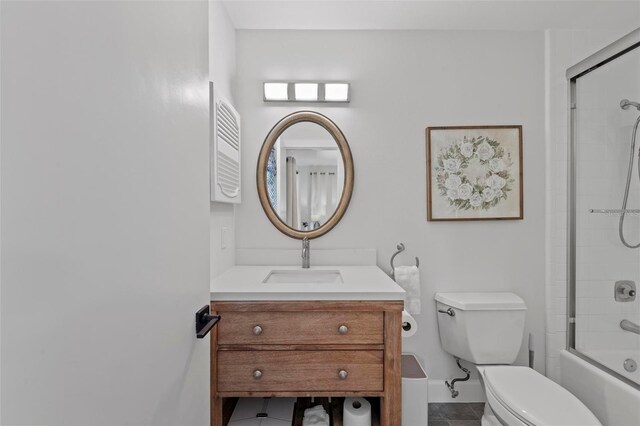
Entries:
{"x":303,"y":277}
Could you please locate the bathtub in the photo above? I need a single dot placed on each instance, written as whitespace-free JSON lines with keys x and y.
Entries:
{"x":614,"y":402}
{"x":614,"y":359}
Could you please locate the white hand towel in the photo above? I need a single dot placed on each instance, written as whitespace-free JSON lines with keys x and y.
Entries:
{"x":315,"y":416}
{"x":408,"y":277}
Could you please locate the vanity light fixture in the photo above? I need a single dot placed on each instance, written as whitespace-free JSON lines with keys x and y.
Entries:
{"x":306,"y":91}
{"x":276,"y":91}
{"x":336,"y":92}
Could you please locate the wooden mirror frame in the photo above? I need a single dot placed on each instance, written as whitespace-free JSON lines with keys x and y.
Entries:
{"x":261,"y":173}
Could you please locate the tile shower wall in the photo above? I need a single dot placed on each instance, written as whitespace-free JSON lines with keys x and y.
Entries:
{"x":602,"y":258}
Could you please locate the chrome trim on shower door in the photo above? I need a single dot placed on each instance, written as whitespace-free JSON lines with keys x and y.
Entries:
{"x":606,"y":54}
{"x":571,"y":213}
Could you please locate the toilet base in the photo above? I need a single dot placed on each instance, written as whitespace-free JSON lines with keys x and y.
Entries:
{"x":490,"y":421}
{"x":489,"y":418}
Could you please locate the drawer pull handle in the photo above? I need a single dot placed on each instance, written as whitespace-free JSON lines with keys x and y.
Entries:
{"x":257,"y":374}
{"x":343,"y":329}
{"x":342,"y":374}
{"x":257,"y":330}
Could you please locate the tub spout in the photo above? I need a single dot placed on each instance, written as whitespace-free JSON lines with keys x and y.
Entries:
{"x":630,"y":326}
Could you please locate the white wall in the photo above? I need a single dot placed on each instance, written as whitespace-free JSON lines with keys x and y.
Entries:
{"x":565,"y":48}
{"x":104,"y":213}
{"x":222,"y":69}
{"x":403,"y":82}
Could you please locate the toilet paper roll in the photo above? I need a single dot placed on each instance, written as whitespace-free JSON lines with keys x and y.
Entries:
{"x":409,"y":324}
{"x":356,"y":412}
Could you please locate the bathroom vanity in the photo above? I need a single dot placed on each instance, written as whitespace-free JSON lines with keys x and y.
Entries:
{"x":325,"y":331}
{"x":301,"y":331}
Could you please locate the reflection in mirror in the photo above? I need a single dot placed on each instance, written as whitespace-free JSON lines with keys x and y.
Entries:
{"x":305,"y":176}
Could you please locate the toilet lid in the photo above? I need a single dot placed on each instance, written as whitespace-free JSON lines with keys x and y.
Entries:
{"x":535,"y":399}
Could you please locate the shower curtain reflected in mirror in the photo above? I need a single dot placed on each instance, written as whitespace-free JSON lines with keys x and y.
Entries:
{"x":308,"y":195}
{"x":323,"y":194}
{"x":312,"y":195}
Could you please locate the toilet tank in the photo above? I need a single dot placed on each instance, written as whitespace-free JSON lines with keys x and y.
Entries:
{"x":485,"y":328}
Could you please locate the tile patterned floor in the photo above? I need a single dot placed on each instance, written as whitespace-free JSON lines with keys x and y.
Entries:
{"x":455,"y":414}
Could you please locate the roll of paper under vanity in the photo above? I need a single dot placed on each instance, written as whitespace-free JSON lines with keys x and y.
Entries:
{"x":356,"y":412}
{"x":409,"y":324}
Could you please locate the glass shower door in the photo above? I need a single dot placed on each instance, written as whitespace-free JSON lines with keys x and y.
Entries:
{"x":605,"y":270}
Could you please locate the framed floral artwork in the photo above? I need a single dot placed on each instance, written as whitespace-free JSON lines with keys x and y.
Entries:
{"x":474,"y":173}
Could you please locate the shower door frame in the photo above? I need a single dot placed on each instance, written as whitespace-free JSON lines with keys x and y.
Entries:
{"x":616,"y":49}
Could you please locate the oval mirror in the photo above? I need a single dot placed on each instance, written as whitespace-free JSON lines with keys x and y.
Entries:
{"x":305,"y":175}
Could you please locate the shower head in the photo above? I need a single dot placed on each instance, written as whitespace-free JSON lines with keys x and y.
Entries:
{"x":626,"y":103}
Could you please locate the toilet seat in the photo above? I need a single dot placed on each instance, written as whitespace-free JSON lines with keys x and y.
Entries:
{"x":529,"y":398}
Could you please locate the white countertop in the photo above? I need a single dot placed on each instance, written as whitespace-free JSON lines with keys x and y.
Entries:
{"x":245,"y":283}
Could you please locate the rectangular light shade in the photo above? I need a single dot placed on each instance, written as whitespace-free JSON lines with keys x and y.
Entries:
{"x":336,"y":92}
{"x":276,"y":91}
{"x":306,"y":91}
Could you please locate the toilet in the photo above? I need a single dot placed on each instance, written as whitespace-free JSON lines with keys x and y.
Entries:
{"x":486,"y":329}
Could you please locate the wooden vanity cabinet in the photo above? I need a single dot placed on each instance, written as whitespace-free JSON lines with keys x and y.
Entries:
{"x":310,"y":348}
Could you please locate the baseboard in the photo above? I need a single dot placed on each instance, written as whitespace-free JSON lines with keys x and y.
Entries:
{"x":470,"y":391}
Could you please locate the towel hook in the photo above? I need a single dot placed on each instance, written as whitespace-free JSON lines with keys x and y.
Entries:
{"x":400,"y":249}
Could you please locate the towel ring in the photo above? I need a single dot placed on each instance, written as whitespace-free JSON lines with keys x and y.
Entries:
{"x":400,"y":248}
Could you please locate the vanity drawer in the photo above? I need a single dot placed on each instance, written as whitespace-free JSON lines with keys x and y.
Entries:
{"x":301,"y":328}
{"x":300,"y":371}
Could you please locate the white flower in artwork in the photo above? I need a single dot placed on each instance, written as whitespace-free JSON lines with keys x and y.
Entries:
{"x":497,"y":165}
{"x":488,"y":194}
{"x":451,"y":165}
{"x":485,"y":151}
{"x":464,"y":191}
{"x":466,"y":149}
{"x":453,"y":182}
{"x":475,"y":200}
{"x":452,"y":194}
{"x":458,"y":175}
{"x":495,"y":182}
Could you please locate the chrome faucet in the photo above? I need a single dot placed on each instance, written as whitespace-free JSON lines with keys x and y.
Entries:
{"x":305,"y":253}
